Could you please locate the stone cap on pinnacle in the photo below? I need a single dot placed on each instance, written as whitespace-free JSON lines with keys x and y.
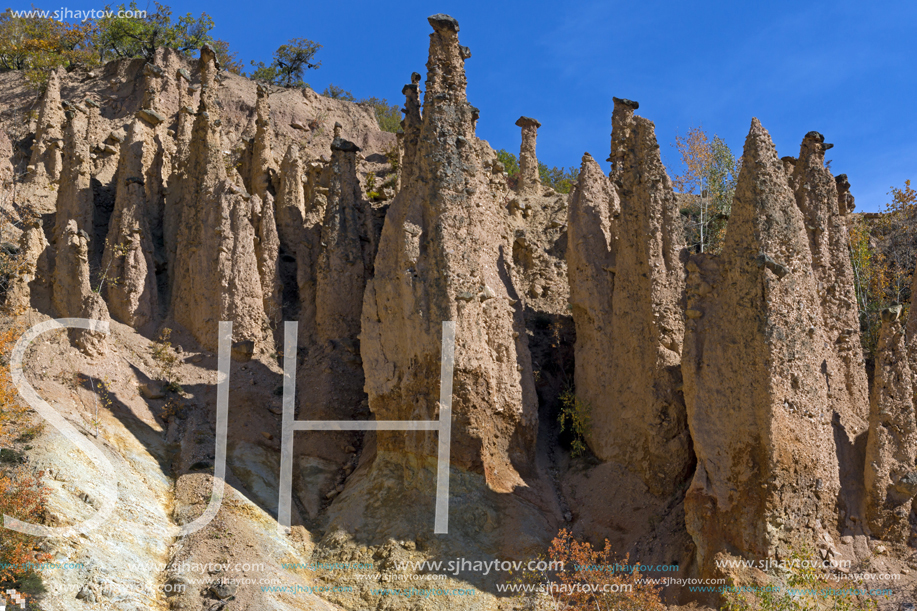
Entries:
{"x":346,"y":146}
{"x":625,"y":102}
{"x":439,"y":21}
{"x":208,"y":53}
{"x":819,"y":140}
{"x":523,"y":121}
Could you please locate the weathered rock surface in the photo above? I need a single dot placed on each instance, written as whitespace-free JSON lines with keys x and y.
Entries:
{"x":332,"y":373}
{"x":31,"y":286}
{"x":411,"y":126}
{"x":627,"y":286}
{"x":529,"y":180}
{"x":46,"y":162}
{"x":439,"y":260}
{"x":262,"y":160}
{"x":758,"y":409}
{"x":443,"y":257}
{"x":822,"y":199}
{"x":129,"y":278}
{"x":819,"y":199}
{"x":890,"y":476}
{"x":216,"y":268}
{"x":72,"y":290}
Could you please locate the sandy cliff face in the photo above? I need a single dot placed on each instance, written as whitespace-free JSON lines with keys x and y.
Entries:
{"x":890,"y":477}
{"x":131,"y":291}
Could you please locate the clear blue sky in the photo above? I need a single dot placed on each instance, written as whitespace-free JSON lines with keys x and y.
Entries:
{"x":846,"y":69}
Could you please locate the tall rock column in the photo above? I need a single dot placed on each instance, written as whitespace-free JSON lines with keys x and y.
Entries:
{"x":410,"y":125}
{"x":627,"y":284}
{"x":529,"y":181}
{"x":216,"y":269}
{"x":262,"y":159}
{"x":130,"y":277}
{"x":46,"y":161}
{"x":267,"y":245}
{"x":442,"y":257}
{"x":299,"y":221}
{"x":332,"y":370}
{"x":73,"y":294}
{"x":592,"y":241}
{"x":291,"y":201}
{"x":820,"y":201}
{"x":73,"y":221}
{"x":891,"y":477}
{"x":758,"y":410}
{"x":341,"y":271}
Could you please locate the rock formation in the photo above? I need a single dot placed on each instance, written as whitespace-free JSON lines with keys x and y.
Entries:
{"x":216,"y":269}
{"x":31,"y":286}
{"x":73,"y":294}
{"x":818,"y":198}
{"x":331,"y":375}
{"x":267,"y":246}
{"x":822,"y":199}
{"x":627,"y":284}
{"x":291,"y":201}
{"x":442,"y":257}
{"x":267,"y":252}
{"x":891,"y":477}
{"x":757,"y":397}
{"x":592,"y":237}
{"x":46,"y":162}
{"x":299,"y":234}
{"x":410,"y":125}
{"x":845,"y":201}
{"x":529,"y":180}
{"x":262,"y":160}
{"x":129,"y":275}
{"x":342,"y":266}
{"x":73,"y":221}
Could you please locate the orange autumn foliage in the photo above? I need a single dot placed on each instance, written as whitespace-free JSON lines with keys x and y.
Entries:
{"x":22,"y":494}
{"x":593,"y":580}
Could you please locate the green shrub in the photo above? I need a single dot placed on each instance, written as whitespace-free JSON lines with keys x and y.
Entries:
{"x":338,"y":93}
{"x":575,"y":417}
{"x":388,"y":116}
{"x":558,"y":178}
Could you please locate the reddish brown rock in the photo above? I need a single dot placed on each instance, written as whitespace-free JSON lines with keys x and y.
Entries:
{"x":46,"y":162}
{"x":818,"y":198}
{"x":890,"y":476}
{"x":627,"y":284}
{"x":761,"y":423}
{"x":216,"y":268}
{"x":129,"y":273}
{"x":529,"y":180}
